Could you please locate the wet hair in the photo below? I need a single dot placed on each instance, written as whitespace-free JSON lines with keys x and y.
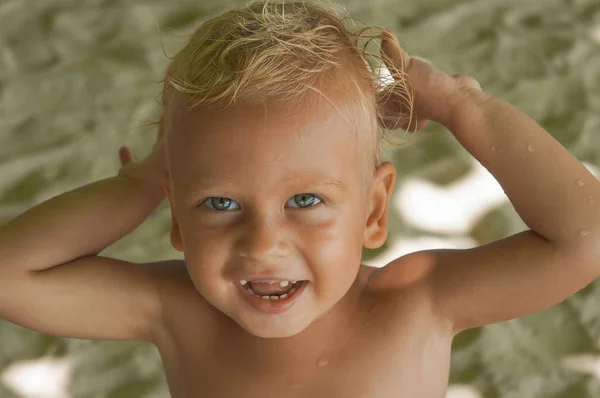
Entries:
{"x":277,"y":51}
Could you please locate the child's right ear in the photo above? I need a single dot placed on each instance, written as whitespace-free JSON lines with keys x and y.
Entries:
{"x":176,"y":240}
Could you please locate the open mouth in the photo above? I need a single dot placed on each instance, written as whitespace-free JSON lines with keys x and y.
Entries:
{"x":272,"y":296}
{"x":271,"y":290}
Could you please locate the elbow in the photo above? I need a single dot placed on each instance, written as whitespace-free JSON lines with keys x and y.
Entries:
{"x":583,"y":255}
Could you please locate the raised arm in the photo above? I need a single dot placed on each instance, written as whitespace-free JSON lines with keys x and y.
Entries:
{"x":550,"y":189}
{"x":51,"y":279}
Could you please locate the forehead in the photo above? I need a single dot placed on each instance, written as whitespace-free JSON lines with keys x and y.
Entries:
{"x":263,"y":145}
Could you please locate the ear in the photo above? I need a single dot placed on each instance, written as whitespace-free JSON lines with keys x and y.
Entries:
{"x":165,"y":182}
{"x":378,"y":198}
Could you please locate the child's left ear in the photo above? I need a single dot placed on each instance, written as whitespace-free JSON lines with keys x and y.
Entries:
{"x":380,"y":191}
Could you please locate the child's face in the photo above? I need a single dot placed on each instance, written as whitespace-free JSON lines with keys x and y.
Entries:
{"x":262,"y":195}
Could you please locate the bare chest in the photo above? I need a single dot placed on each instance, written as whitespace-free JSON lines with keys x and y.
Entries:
{"x":378,"y":355}
{"x":403,"y":373}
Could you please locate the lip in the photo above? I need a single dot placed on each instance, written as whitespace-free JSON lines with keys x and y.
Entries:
{"x":265,"y":278}
{"x":272,"y":306}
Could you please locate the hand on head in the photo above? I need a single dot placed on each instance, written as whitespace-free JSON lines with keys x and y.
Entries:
{"x":149,"y":168}
{"x":430,"y":88}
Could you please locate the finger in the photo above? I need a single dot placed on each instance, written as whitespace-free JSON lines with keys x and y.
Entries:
{"x":416,"y":126}
{"x":468,"y":81}
{"x":398,"y":116}
{"x":125,"y":155}
{"x":394,"y":57}
{"x":122,"y":156}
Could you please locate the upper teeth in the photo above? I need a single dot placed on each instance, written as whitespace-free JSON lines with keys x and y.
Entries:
{"x":282,"y":283}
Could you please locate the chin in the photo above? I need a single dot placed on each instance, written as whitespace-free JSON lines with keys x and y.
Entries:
{"x":276,"y":327}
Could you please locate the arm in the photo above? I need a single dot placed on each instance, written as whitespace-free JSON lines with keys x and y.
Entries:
{"x":78,"y":223}
{"x":550,"y":189}
{"x":555,"y":195}
{"x":50,"y":277}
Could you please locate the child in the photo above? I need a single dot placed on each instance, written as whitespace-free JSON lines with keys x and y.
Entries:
{"x":269,"y":155}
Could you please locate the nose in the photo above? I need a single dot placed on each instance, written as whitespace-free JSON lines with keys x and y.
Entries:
{"x":263,"y":240}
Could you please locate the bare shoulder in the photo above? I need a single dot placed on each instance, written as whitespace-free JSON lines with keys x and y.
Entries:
{"x":172,"y":280}
{"x":408,"y":272}
{"x":182,"y":306}
{"x":168,"y":269}
{"x":468,"y":288}
{"x":404,"y":288}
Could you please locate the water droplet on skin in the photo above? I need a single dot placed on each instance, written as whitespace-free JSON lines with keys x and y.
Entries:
{"x":580,"y":183}
{"x":321,"y":362}
{"x":583,"y":232}
{"x":590,"y":198}
{"x":493,"y":148}
{"x":530,"y":148}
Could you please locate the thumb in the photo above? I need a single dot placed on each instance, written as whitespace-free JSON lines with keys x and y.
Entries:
{"x":125,"y":155}
{"x":395,"y":58}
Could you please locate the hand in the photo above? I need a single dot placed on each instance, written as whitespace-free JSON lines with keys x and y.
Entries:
{"x":150,"y":167}
{"x":434,"y":93}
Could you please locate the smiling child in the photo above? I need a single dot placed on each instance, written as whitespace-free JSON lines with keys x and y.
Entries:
{"x":269,"y":154}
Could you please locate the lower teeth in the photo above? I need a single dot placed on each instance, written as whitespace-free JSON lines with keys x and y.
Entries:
{"x":274,"y":298}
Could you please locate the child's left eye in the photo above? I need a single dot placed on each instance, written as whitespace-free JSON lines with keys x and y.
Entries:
{"x":303,"y":200}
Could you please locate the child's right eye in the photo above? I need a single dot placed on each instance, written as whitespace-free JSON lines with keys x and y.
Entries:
{"x":221,"y":204}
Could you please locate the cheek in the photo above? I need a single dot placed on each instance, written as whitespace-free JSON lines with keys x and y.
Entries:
{"x":206,"y":251}
{"x":334,"y":250}
{"x":206,"y":255}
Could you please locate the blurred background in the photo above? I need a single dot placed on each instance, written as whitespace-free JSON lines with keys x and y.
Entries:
{"x":79,"y":78}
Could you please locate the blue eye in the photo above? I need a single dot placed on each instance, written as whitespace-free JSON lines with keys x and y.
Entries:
{"x":221,"y":204}
{"x":304,"y":200}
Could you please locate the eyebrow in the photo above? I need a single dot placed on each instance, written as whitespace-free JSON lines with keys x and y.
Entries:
{"x":317,"y":179}
{"x":199,"y":185}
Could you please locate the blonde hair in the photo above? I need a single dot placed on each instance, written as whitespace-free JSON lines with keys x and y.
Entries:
{"x":278,"y":50}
